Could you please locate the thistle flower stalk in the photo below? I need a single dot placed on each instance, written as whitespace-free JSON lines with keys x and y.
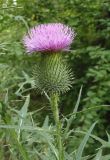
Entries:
{"x":54,"y":106}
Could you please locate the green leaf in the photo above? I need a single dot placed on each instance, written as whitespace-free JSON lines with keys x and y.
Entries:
{"x":106,"y":157}
{"x":83,"y":143}
{"x":78,"y":101}
{"x":103,"y":142}
{"x":70,"y":120}
{"x":46,"y":122}
{"x":23,"y":114}
{"x":98,"y":155}
{"x":23,"y":111}
{"x":14,"y":141}
{"x":108,"y":137}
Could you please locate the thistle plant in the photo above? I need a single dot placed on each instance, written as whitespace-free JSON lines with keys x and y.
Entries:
{"x":52,"y":74}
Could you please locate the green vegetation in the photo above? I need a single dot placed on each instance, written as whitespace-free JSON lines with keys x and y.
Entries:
{"x":26,"y":124}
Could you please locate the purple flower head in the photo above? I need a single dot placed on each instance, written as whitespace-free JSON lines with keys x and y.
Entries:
{"x":50,"y":37}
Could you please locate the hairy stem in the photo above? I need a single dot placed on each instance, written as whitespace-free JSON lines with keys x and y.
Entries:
{"x":54,"y":107}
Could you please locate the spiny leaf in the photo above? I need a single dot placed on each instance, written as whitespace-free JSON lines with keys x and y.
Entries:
{"x":98,"y":155}
{"x":103,"y":142}
{"x":46,"y":122}
{"x":78,"y":101}
{"x":70,"y":120}
{"x":23,"y":111}
{"x":83,"y":143}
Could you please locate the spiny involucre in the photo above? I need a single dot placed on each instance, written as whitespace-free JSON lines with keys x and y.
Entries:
{"x":51,"y":37}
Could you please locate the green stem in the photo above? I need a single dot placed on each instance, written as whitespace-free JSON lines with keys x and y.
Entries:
{"x":54,"y":107}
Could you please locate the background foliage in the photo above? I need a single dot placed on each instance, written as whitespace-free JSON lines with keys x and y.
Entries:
{"x":89,"y":58}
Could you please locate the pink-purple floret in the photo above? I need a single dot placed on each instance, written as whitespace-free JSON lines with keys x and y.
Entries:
{"x":52,"y":37}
